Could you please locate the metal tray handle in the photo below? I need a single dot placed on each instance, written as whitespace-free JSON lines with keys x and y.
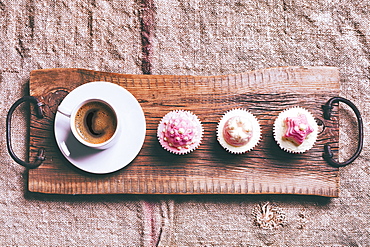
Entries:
{"x":39,"y":113}
{"x":328,"y":153}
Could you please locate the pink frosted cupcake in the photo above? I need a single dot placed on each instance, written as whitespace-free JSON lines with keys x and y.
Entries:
{"x":295,"y":130}
{"x":180,"y":132}
{"x":238,"y":131}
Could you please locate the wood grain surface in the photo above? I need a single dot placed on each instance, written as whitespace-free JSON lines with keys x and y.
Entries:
{"x":209,"y":169}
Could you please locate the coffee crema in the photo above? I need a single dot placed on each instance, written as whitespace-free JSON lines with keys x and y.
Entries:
{"x":95,"y":122}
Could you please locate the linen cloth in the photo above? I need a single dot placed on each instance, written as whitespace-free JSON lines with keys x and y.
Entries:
{"x":183,"y":37}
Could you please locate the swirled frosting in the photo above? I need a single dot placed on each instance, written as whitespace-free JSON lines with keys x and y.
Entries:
{"x":237,"y":131}
{"x":297,"y":129}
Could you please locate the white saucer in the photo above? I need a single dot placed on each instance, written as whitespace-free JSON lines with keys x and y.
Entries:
{"x":131,"y":137}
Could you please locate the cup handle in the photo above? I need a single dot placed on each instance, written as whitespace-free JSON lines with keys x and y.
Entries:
{"x":64,"y":111}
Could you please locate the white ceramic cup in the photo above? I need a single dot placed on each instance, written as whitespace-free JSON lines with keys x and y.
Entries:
{"x":71,"y":114}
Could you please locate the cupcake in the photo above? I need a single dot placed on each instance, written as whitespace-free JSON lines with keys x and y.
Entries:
{"x":238,"y":131}
{"x":180,"y":132}
{"x":295,"y":130}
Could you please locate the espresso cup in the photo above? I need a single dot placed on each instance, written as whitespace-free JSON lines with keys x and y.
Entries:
{"x":94,"y":123}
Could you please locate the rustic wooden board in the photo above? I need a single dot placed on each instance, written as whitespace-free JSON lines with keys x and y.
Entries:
{"x":209,"y":169}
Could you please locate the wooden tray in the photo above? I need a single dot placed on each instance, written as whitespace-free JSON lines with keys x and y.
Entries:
{"x":209,"y":169}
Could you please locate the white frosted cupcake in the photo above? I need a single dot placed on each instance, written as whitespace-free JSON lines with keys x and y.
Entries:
{"x":238,"y":131}
{"x":180,"y":132}
{"x":295,"y":130}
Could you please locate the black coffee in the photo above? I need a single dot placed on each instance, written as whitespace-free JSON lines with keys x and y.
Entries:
{"x":95,"y":122}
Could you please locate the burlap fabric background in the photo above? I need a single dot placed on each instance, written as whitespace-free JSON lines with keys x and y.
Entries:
{"x":186,"y":37}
